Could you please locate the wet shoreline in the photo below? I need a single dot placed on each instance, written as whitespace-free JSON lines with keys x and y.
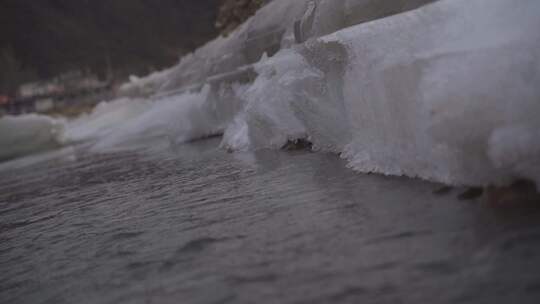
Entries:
{"x":164,"y":226}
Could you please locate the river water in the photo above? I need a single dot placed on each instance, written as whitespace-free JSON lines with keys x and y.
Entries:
{"x":195,"y":224}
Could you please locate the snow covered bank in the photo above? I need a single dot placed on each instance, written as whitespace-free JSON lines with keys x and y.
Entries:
{"x":104,"y":119}
{"x":28,"y":134}
{"x":449,"y":92}
{"x":278,"y":25}
{"x":21,"y":135}
{"x":144,"y":86}
{"x":427,"y":92}
{"x":175,"y":119}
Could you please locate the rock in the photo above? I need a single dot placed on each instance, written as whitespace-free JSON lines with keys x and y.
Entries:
{"x":298,"y":144}
{"x":471,"y":193}
{"x":521,"y":192}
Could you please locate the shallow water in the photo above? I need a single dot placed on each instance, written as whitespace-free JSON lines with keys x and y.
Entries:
{"x":195,"y":224}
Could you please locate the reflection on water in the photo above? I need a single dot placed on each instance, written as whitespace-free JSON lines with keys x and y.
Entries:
{"x":194,"y":224}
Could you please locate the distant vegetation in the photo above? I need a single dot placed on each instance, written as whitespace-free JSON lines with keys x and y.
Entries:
{"x":12,"y":71}
{"x":43,"y":38}
{"x":40,"y":39}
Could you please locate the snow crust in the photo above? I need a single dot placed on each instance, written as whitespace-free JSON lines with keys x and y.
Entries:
{"x":104,"y":119}
{"x":448,"y":92}
{"x":144,"y":86}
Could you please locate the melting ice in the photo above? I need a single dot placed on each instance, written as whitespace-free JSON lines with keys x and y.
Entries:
{"x":448,"y":91}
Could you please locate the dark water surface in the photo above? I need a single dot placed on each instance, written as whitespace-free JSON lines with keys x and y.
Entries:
{"x":199,"y":225}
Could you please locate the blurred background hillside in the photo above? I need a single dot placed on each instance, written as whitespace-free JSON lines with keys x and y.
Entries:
{"x":45,"y":38}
